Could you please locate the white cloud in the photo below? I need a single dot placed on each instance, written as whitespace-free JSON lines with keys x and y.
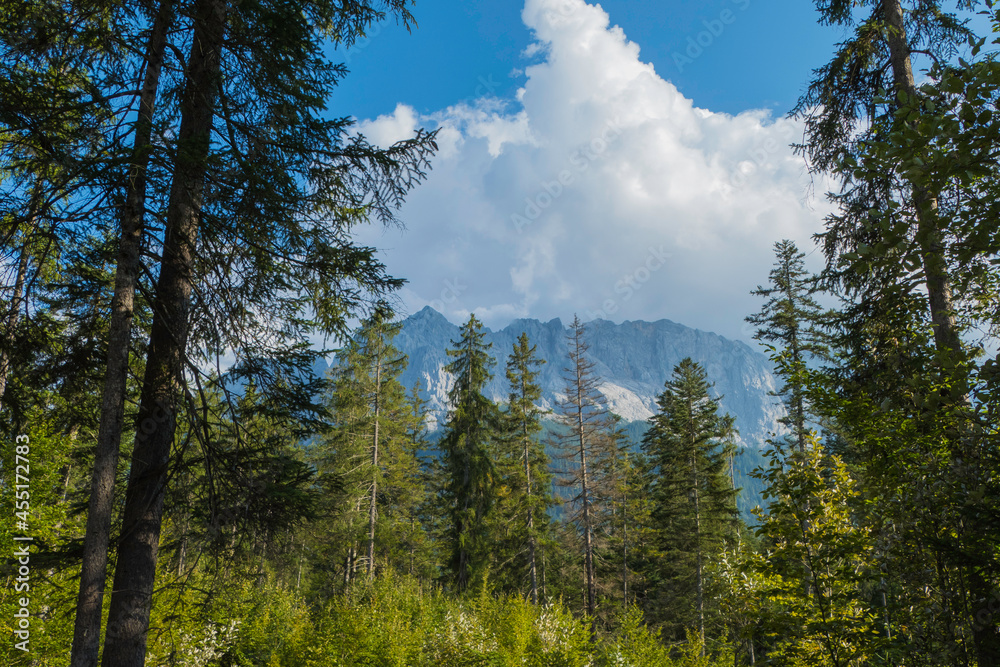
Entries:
{"x":599,"y":189}
{"x":388,"y":129}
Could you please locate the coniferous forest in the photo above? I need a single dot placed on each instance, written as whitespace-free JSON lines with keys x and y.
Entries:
{"x":180,"y":487}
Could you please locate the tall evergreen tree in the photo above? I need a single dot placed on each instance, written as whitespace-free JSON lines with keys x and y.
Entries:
{"x":467,"y":455}
{"x":693,"y":506}
{"x":370,"y":442}
{"x":908,"y":272}
{"x":791,"y":320}
{"x":583,"y":412}
{"x":263,"y":195}
{"x":620,"y":511}
{"x":86,"y":638}
{"x":66,"y":69}
{"x":852,"y":101}
{"x":422,"y":506}
{"x":527,"y":463}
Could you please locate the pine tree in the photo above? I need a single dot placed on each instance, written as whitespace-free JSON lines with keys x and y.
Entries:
{"x":263,"y":194}
{"x":907,"y":272}
{"x":584,"y":414}
{"x":621,"y":509}
{"x":64,"y":130}
{"x":852,"y":101}
{"x":55,"y":138}
{"x":791,"y":320}
{"x":466,"y":452}
{"x":86,"y":638}
{"x":526,"y":462}
{"x":421,"y":504}
{"x":693,"y":510}
{"x":371,"y":447}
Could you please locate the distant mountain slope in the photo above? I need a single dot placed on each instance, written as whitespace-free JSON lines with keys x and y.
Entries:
{"x":632,"y":359}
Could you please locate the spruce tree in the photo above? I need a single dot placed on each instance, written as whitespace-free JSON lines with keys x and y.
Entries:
{"x":693,"y":509}
{"x":907,"y":272}
{"x":583,"y":413}
{"x":422,"y":505}
{"x":527,"y":464}
{"x":467,"y":455}
{"x":86,"y":638}
{"x":791,"y":321}
{"x":852,"y":101}
{"x":256,"y":253}
{"x":370,"y":441}
{"x":620,"y":509}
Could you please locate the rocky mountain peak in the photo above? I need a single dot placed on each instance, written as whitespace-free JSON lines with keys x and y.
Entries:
{"x":633,"y":360}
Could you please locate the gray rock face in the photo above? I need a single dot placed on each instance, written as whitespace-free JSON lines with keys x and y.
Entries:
{"x":633,"y":361}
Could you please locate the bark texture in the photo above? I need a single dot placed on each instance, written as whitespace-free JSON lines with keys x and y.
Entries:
{"x":131,"y":600}
{"x":93,"y":577}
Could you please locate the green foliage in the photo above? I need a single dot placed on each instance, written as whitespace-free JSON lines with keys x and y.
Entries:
{"x":816,"y":565}
{"x":395,"y":622}
{"x":368,"y":460}
{"x":692,"y":501}
{"x":742,"y":593}
{"x":466,"y":452}
{"x":944,"y":141}
{"x":273,"y":628}
{"x":621,"y":516}
{"x":520,"y":523}
{"x":912,"y":252}
{"x":634,"y":644}
{"x":52,"y":526}
{"x":792,"y":321}
{"x":841,"y":99}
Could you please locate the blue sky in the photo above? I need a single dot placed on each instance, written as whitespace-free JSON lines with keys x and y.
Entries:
{"x":625,"y":161}
{"x":462,"y":50}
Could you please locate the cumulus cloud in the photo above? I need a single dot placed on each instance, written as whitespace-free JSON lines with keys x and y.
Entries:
{"x":599,"y":190}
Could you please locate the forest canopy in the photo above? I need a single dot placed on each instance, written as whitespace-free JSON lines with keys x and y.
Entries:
{"x":180,"y":217}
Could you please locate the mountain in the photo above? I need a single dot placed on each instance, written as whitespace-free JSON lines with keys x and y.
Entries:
{"x":633,"y":361}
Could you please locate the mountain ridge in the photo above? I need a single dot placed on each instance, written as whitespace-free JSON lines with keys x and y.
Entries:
{"x":632,"y":360}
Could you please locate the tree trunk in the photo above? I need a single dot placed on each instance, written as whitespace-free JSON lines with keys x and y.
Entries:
{"x":87,"y":628}
{"x":986,"y":637}
{"x":462,"y":576}
{"x":13,"y":317}
{"x":938,"y":282}
{"x":128,"y":620}
{"x":531,"y":516}
{"x":372,"y":510}
{"x":700,"y":592}
{"x":625,"y":546}
{"x":588,"y":538}
{"x":544,"y":593}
